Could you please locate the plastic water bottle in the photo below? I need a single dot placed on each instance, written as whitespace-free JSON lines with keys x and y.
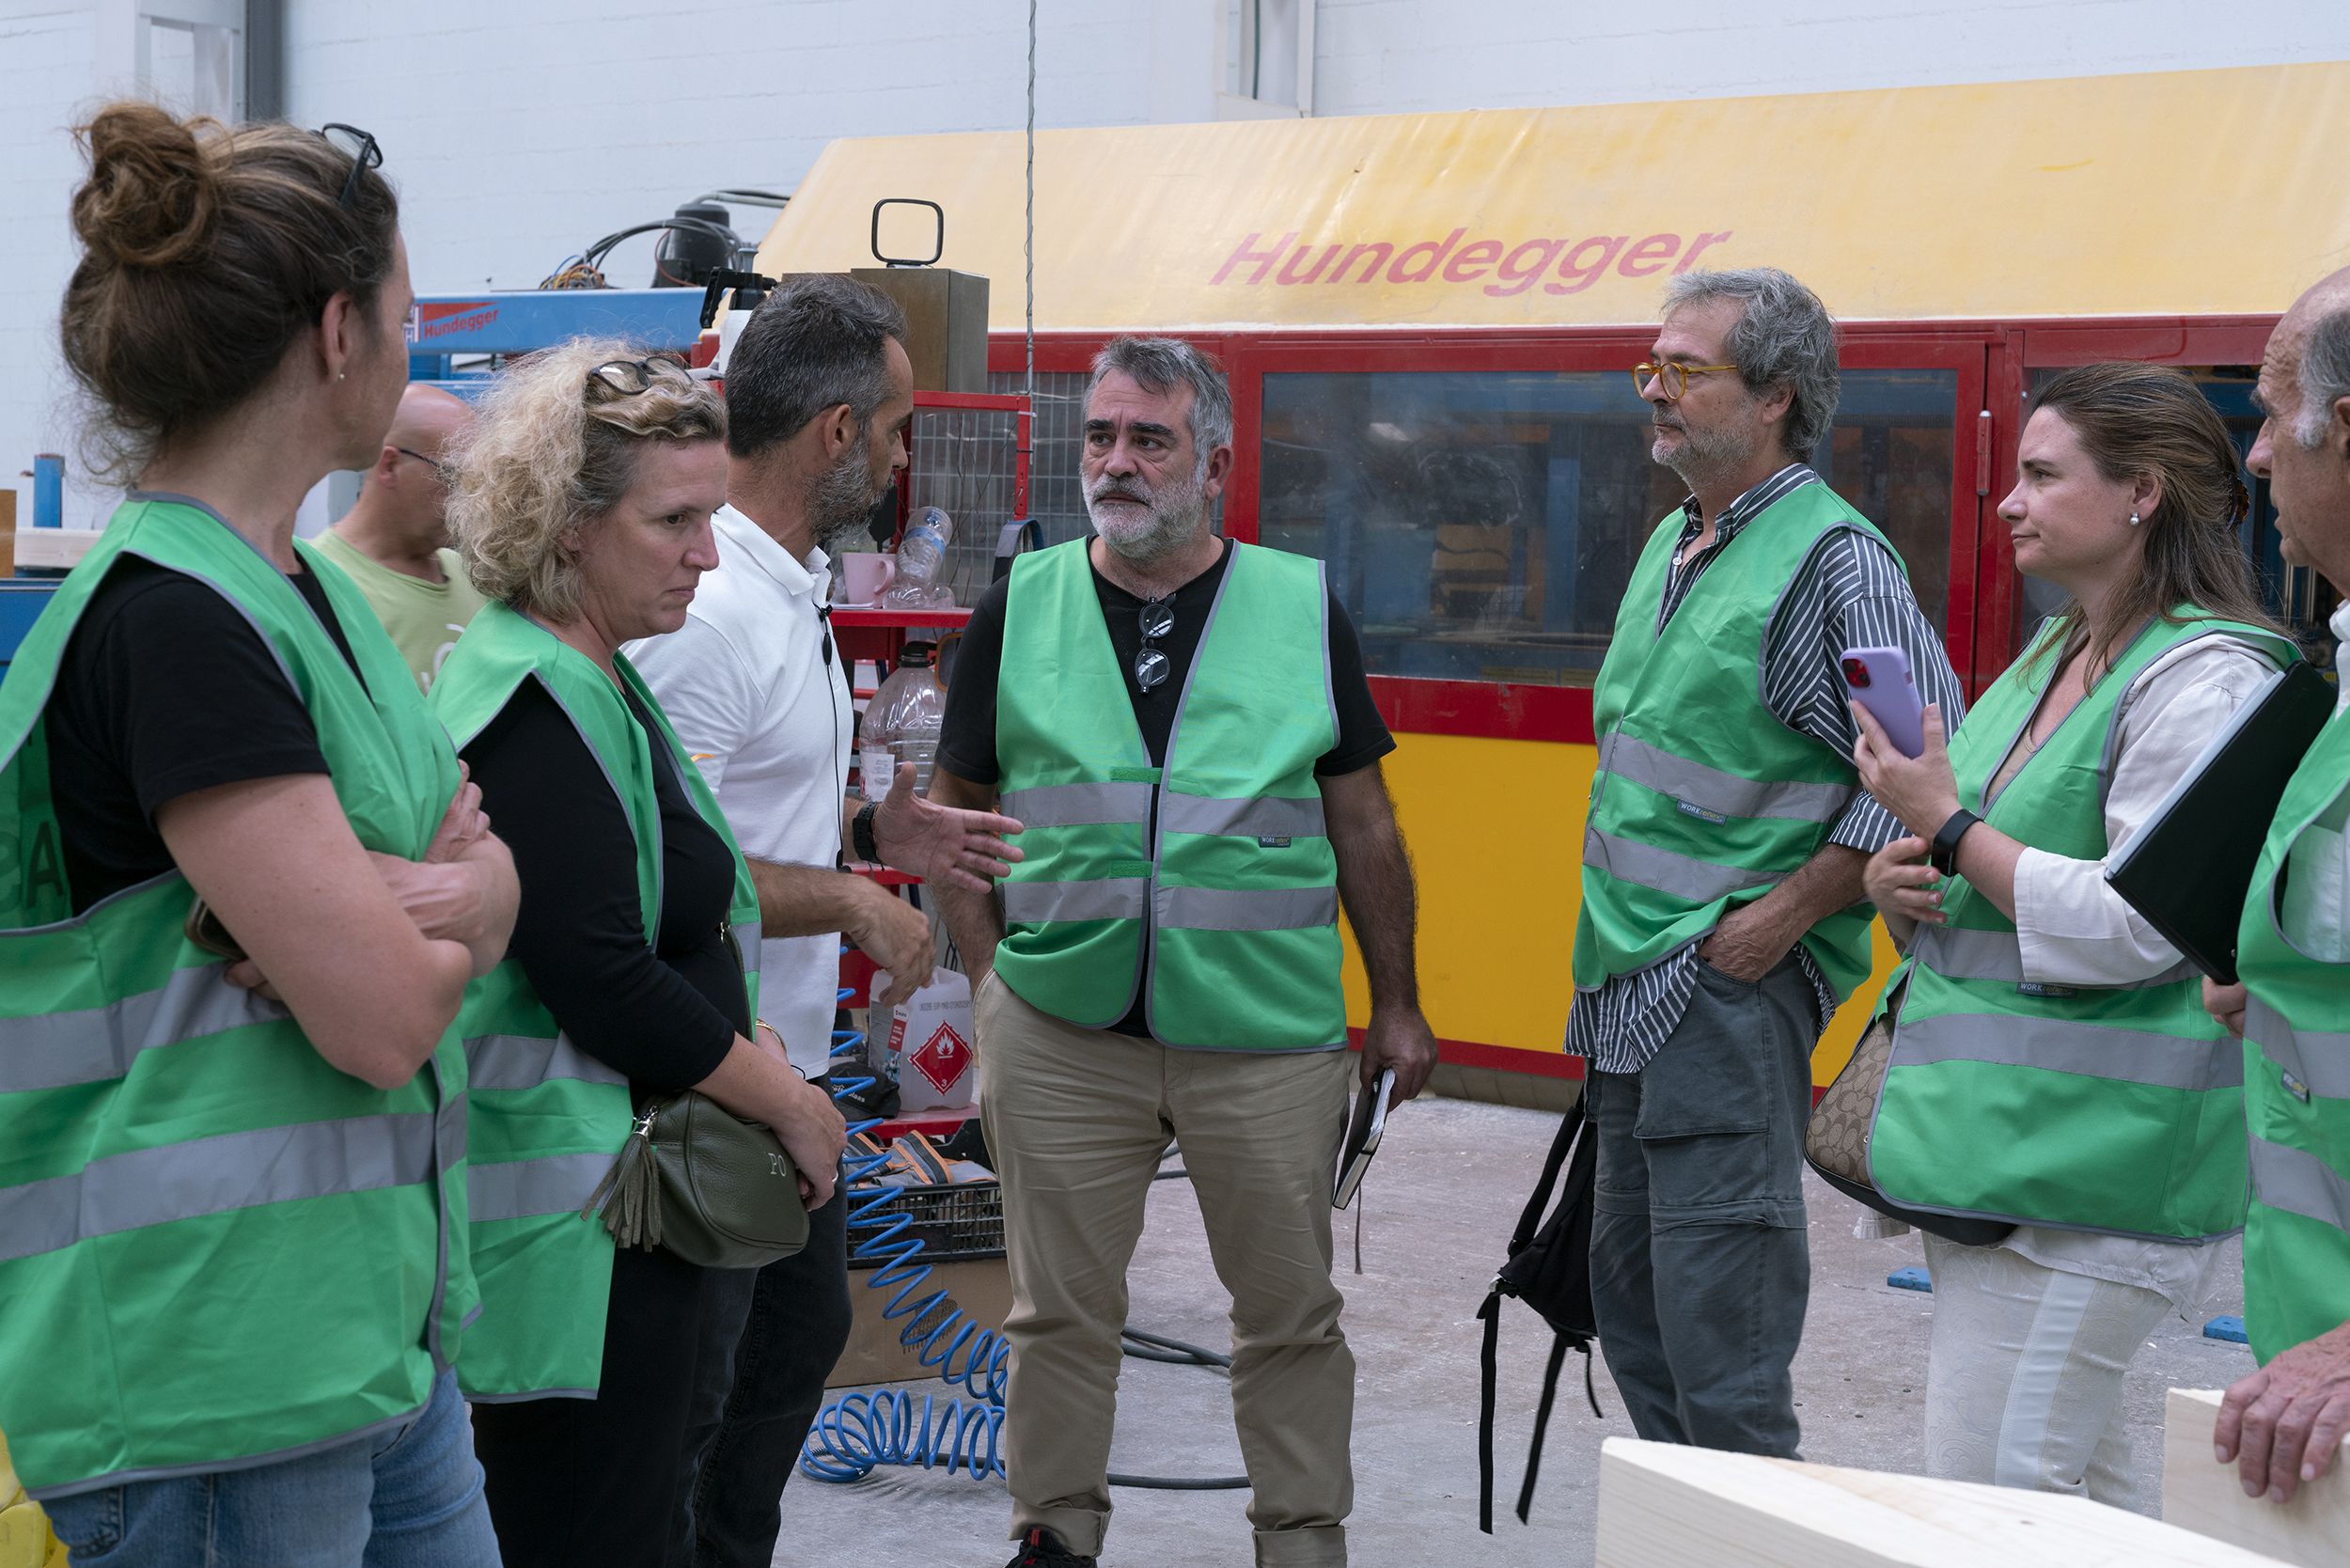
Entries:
{"x":901,"y":724}
{"x":921,"y":562}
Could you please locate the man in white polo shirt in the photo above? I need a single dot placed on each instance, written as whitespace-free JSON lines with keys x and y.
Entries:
{"x":818,"y":388}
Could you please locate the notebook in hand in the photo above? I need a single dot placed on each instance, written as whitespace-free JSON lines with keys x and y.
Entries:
{"x":1362,"y":1137}
{"x":2189,"y":869}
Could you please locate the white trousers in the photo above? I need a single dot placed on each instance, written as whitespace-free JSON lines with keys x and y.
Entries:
{"x":2024,"y":1386}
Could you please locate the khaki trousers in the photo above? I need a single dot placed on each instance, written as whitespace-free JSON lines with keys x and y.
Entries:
{"x":1077,"y":1121}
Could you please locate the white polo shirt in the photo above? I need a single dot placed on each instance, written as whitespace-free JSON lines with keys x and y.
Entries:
{"x":746,"y":684}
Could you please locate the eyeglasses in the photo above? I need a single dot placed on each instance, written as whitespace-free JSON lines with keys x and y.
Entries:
{"x":361,"y":147}
{"x":1152,"y":664}
{"x":1671,"y":378}
{"x":446,"y":471}
{"x":628,"y":377}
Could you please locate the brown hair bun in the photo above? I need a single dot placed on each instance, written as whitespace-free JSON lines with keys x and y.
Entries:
{"x":152,"y":196}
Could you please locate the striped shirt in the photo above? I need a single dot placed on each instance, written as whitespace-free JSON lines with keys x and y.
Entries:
{"x":1850,"y":593}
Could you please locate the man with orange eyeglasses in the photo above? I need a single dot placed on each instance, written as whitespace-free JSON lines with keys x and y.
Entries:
{"x":1722,"y":859}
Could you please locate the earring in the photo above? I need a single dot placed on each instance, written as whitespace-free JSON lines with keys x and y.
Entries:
{"x":345,"y":375}
{"x":2133,"y":520}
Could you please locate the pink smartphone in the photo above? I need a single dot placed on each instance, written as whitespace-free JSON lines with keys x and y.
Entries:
{"x":1879,"y":680}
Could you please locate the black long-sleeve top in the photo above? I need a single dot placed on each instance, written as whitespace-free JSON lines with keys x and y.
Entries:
{"x":664,"y":1014}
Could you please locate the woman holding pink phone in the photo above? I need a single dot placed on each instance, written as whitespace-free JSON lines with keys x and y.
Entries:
{"x":2051,"y":1066}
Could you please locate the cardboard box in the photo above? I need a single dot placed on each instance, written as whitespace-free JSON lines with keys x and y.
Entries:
{"x":980,"y":1286}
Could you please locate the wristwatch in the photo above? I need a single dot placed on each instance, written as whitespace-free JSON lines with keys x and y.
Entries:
{"x":1943,"y":856}
{"x":861,"y":833}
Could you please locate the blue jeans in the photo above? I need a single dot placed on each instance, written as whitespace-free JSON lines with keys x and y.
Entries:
{"x":406,"y":1497}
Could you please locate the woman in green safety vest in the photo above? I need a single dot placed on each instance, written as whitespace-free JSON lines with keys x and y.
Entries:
{"x":2052,"y":1067}
{"x":242,"y":890}
{"x":582,"y":511}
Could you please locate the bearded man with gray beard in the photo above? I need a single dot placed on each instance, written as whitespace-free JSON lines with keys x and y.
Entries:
{"x":1183,"y":724}
{"x":819,"y":389}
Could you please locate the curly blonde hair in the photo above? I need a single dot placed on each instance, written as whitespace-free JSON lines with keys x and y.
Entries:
{"x":555,"y":448}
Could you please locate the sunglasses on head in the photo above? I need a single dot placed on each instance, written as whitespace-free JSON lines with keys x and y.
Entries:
{"x":361,"y":147}
{"x":628,"y":377}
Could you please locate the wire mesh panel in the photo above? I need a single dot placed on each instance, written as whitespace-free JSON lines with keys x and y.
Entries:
{"x":965,"y":461}
{"x":1056,"y":493}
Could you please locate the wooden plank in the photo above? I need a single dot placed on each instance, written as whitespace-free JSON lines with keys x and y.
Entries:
{"x":1665,"y":1506}
{"x":54,"y":547}
{"x":2203,"y":1496}
{"x":7,"y":531}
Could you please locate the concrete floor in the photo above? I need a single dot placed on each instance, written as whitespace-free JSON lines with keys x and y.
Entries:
{"x":1450,"y":1177}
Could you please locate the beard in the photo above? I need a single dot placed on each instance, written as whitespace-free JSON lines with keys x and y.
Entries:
{"x":1704,"y":451}
{"x":1144,"y":525}
{"x":842,"y":504}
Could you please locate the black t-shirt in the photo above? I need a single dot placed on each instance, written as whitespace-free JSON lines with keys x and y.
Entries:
{"x":164,"y":688}
{"x":664,"y":1015}
{"x":967,"y":745}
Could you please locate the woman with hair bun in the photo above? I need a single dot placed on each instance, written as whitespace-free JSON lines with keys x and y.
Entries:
{"x":2060,"y":1113}
{"x":243,"y":887}
{"x":581,"y":509}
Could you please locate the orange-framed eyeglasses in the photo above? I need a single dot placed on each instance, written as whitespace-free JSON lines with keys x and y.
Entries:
{"x":1672,"y":377}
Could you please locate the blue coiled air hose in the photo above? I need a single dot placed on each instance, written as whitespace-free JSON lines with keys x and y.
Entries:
{"x":856,"y":1432}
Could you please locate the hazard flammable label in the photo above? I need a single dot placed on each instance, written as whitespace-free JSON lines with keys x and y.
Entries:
{"x":943,"y":1059}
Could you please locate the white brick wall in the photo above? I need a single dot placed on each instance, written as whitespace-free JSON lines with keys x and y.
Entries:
{"x":519,"y":129}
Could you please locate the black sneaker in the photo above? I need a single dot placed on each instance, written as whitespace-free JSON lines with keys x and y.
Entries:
{"x":1042,"y":1548}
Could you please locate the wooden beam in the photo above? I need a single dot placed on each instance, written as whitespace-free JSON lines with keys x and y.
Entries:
{"x":2203,"y":1496}
{"x":1665,"y":1506}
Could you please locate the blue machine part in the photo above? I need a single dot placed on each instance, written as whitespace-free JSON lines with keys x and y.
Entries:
{"x":22,"y":600}
{"x":1910,"y":1280}
{"x":453,"y":327}
{"x":2228,"y":1328}
{"x":48,"y":491}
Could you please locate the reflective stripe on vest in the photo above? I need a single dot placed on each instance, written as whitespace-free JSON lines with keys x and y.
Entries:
{"x":1231,"y":909}
{"x":526,"y":1061}
{"x":2111,"y":1107}
{"x":2088,"y":1050}
{"x":1124,"y":897}
{"x":2299,"y":1182}
{"x":1724,"y":793}
{"x":92,"y":1045}
{"x":2327,"y":1073}
{"x":1700,"y":882}
{"x":1079,"y":805}
{"x":1958,"y":953}
{"x":525,"y":1189}
{"x":214,"y":1175}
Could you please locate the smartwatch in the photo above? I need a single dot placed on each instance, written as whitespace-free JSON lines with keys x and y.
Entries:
{"x":861,"y":833}
{"x":1943,"y":856}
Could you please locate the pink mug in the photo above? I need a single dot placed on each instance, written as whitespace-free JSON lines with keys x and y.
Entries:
{"x":864,"y":574}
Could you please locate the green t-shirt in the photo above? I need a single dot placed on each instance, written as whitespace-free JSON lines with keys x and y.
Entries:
{"x":424,"y":620}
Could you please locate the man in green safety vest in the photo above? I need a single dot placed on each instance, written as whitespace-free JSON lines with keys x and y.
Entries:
{"x":1183,"y":726}
{"x":1722,"y":858}
{"x":2281,"y":1425}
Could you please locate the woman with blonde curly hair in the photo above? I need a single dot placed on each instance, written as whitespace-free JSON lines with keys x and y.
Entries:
{"x":583,"y":508}
{"x":242,"y":889}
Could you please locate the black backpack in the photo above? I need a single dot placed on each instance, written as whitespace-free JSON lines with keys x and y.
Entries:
{"x":1550,"y":1270}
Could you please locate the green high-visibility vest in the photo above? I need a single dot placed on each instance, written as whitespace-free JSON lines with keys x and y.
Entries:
{"x":548,"y":1118}
{"x":2114,"y":1108}
{"x":2296,"y":1081}
{"x":1208,"y":888}
{"x":1704,"y":800}
{"x":217,"y":1248}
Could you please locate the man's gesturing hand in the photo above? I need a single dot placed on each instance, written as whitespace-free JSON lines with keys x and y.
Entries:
{"x":895,"y":935}
{"x":2283,"y":1425}
{"x":942,"y":843}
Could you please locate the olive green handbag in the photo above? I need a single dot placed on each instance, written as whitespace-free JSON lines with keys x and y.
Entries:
{"x":711,"y":1187}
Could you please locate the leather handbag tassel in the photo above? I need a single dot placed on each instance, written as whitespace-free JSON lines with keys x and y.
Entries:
{"x":625,"y":1194}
